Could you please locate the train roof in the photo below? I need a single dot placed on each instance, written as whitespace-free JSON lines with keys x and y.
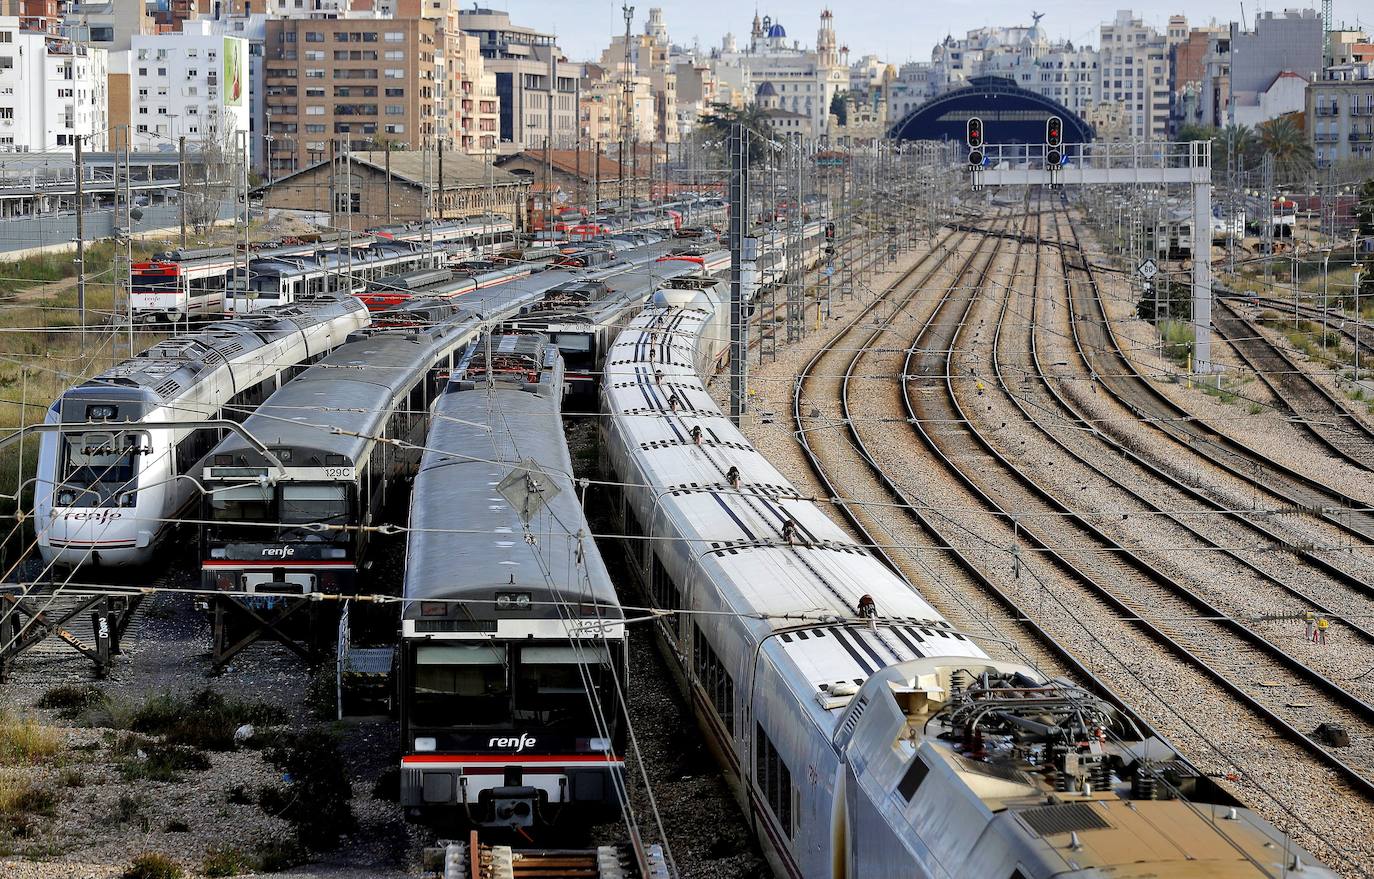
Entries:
{"x":170,"y":368}
{"x":479,"y":437}
{"x":738,"y":533}
{"x":327,"y":414}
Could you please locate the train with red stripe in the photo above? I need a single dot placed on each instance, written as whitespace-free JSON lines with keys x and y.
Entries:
{"x":391,"y":291}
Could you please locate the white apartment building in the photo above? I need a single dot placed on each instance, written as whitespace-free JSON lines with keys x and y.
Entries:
{"x":194,"y":84}
{"x":51,"y":92}
{"x":1133,"y":72}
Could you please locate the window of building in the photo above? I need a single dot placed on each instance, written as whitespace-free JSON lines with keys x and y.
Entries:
{"x":395,"y":110}
{"x":314,"y":93}
{"x":314,"y":37}
{"x":394,"y":73}
{"x":102,"y":34}
{"x":314,"y":55}
{"x":314,"y":73}
{"x":395,"y":37}
{"x":395,"y":128}
{"x":6,"y":112}
{"x":348,"y":202}
{"x":162,"y":71}
{"x":314,"y":110}
{"x":395,"y":55}
{"x":314,"y":128}
{"x":395,"y":93}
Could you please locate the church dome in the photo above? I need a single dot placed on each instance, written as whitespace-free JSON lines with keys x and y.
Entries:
{"x":776,"y":31}
{"x":766,"y":90}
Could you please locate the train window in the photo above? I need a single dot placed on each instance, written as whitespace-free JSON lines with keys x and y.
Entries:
{"x":241,"y":503}
{"x":912,"y":778}
{"x":460,"y":685}
{"x":715,"y":679}
{"x":102,"y":459}
{"x":552,"y":681}
{"x":773,"y":779}
{"x":314,"y":503}
{"x":664,"y":590}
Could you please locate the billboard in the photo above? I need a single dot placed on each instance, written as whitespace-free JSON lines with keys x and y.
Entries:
{"x":235,"y":83}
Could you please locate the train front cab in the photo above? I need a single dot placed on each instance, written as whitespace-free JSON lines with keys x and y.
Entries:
{"x":501,"y":733}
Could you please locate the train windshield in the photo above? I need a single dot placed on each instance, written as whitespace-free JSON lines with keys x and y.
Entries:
{"x":303,"y":504}
{"x":102,"y":462}
{"x":460,"y":685}
{"x":242,"y":503}
{"x":156,"y":280}
{"x":552,"y":684}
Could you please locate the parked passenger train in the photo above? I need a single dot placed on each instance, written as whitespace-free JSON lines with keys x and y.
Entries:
{"x":279,"y":280}
{"x":181,"y":285}
{"x":864,"y":736}
{"x":390,"y":291}
{"x":106,"y":494}
{"x":507,"y":622}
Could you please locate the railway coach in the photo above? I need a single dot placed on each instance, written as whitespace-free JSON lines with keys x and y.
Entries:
{"x":512,"y":636}
{"x":107,"y":493}
{"x":863,"y":735}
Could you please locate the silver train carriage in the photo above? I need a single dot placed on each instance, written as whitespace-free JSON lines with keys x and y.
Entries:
{"x":862,"y":734}
{"x":287,"y":276}
{"x":511,"y":635}
{"x":106,"y":495}
{"x":582,"y":317}
{"x":345,"y":432}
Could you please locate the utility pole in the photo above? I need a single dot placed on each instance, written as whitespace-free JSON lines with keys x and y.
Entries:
{"x":181,"y":183}
{"x":739,"y":210}
{"x":627,"y":110}
{"x":387,"y":189}
{"x":81,"y":243}
{"x":129,"y":233}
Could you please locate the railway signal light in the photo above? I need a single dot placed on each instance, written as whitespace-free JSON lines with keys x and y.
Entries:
{"x":974,"y":137}
{"x":1054,"y":140}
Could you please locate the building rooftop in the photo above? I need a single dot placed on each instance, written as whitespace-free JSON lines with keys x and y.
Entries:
{"x":421,"y":168}
{"x":577,"y":162}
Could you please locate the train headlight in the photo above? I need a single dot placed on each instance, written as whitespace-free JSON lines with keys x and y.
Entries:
{"x":425,"y":743}
{"x":599,"y":744}
{"x":512,"y":601}
{"x":217,"y":553}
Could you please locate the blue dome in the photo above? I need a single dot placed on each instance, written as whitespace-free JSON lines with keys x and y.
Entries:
{"x":777,"y":30}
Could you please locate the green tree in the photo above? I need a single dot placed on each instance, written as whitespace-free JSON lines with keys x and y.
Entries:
{"x":717,"y":123}
{"x":1284,"y":139}
{"x":1364,"y":209}
{"x":839,"y":107}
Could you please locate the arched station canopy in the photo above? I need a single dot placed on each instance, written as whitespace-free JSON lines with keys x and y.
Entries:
{"x":1010,"y":114}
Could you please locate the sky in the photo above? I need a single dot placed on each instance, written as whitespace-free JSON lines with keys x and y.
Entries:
{"x":895,"y":30}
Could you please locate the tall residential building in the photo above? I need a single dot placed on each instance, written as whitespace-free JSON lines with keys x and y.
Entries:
{"x":648,"y":59}
{"x":1340,"y":113}
{"x":1188,"y":74}
{"x":195,"y":84}
{"x":535,"y":84}
{"x":52,"y":91}
{"x":1132,"y":73}
{"x":332,"y":83}
{"x":110,"y":25}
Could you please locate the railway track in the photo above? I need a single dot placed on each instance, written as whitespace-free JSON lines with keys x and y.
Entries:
{"x":1098,"y":346}
{"x":1105,"y":576}
{"x":1315,"y":410}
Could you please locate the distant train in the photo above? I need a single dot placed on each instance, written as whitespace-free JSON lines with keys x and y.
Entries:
{"x":390,"y":291}
{"x":510,"y":647}
{"x":107,"y":493}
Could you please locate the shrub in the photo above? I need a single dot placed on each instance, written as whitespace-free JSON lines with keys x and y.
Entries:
{"x":240,"y":795}
{"x":206,"y":720}
{"x":24,"y":741}
{"x":316,"y":800}
{"x":163,"y":762}
{"x":225,"y":860}
{"x":70,"y":699}
{"x":275,"y":856}
{"x":22,"y":802}
{"x":71,"y":777}
{"x":176,"y":825}
{"x":153,"y":865}
{"x":128,"y":811}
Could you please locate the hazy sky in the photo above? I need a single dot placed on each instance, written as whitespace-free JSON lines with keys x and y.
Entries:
{"x":897,"y":30}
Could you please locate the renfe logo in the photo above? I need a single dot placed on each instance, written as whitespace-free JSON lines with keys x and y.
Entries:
{"x":278,"y":552}
{"x":100,"y":517}
{"x":525,"y":741}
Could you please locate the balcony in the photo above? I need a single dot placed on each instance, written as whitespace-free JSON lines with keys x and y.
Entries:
{"x":1327,"y":111}
{"x":1362,"y":111}
{"x":1326,"y":137}
{"x":1362,"y":137}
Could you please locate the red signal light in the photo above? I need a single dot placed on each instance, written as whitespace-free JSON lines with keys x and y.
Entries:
{"x":1054,"y":131}
{"x":975,"y":133}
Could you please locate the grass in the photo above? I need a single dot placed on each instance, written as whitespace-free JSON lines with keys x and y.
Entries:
{"x":129,"y":812}
{"x":226,"y":860}
{"x":69,"y":700}
{"x":1178,"y":340}
{"x":24,"y":741}
{"x":274,"y":856}
{"x":153,"y":865}
{"x":163,"y":762}
{"x":23,"y":801}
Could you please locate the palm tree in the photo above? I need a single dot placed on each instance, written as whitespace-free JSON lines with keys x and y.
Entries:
{"x":1284,"y":139}
{"x":718,"y":122}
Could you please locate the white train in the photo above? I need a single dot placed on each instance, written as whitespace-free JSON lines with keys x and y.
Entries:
{"x":863,"y":736}
{"x":105,"y":495}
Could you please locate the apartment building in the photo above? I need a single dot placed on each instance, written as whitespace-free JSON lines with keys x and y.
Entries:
{"x":195,"y":84}
{"x":1133,"y":73}
{"x":52,"y":91}
{"x":535,"y":83}
{"x":474,"y":106}
{"x":1340,"y":113}
{"x":331,"y":83}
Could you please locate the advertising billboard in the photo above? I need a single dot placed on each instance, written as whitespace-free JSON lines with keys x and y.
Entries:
{"x":234,"y":88}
